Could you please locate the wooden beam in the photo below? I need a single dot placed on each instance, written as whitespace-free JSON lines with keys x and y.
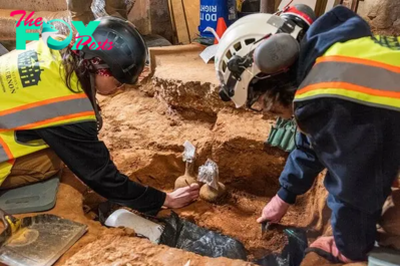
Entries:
{"x":180,"y":22}
{"x":192,"y":10}
{"x":320,"y":7}
{"x":354,"y":5}
{"x":267,"y":6}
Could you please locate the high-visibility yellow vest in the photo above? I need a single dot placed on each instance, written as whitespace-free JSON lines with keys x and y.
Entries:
{"x":360,"y":70}
{"x":33,"y":95}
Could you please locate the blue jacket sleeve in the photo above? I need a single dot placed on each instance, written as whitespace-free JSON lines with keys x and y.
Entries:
{"x":301,"y":169}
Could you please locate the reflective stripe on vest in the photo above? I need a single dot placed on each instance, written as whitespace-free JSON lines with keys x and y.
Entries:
{"x":6,"y":158}
{"x":371,"y":76}
{"x":5,"y":154}
{"x":33,"y":94}
{"x":31,"y":116}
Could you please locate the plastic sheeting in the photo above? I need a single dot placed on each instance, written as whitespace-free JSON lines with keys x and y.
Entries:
{"x":185,"y":235}
{"x":292,"y":254}
{"x":209,"y":174}
{"x":189,"y":153}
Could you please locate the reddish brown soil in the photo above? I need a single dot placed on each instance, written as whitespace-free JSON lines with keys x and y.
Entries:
{"x":119,"y":249}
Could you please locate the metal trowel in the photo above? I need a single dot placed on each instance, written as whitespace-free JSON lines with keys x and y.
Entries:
{"x":37,"y":241}
{"x":265,"y":226}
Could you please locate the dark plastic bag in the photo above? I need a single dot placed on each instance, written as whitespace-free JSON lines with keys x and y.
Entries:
{"x":292,"y":254}
{"x":182,"y":234}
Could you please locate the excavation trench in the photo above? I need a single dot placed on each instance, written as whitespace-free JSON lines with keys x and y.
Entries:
{"x":145,"y":134}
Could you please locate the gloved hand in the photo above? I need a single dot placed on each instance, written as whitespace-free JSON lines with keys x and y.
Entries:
{"x":326,"y":247}
{"x":274,"y":210}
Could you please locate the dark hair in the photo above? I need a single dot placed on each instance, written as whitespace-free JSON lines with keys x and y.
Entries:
{"x":279,"y":89}
{"x":73,"y":63}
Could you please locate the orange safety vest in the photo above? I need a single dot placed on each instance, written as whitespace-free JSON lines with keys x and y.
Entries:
{"x":33,"y":95}
{"x":360,"y":70}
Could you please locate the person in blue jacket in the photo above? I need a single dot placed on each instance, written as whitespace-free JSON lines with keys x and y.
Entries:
{"x":341,"y":84}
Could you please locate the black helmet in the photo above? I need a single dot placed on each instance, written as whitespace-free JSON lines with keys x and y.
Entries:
{"x":127,"y":57}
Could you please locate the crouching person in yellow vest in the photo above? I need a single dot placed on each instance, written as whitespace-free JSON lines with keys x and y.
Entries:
{"x":49,"y":114}
{"x":342,"y":86}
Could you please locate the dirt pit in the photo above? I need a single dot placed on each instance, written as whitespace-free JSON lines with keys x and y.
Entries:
{"x":146,"y":136}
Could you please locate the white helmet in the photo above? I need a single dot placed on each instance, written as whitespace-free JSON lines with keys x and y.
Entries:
{"x":234,"y":63}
